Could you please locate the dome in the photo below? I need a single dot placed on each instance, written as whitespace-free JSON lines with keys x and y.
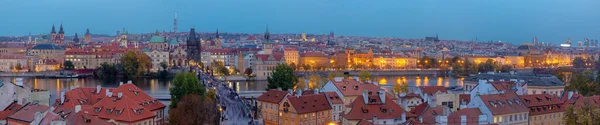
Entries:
{"x":173,"y":41}
{"x":157,"y":39}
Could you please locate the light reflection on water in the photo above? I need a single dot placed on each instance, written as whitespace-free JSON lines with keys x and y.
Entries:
{"x":160,"y":87}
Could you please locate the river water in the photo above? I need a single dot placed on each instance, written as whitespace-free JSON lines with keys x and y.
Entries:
{"x":161,"y":87}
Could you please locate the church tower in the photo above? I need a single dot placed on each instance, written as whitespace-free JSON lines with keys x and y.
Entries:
{"x":52,"y":34}
{"x":267,"y":44}
{"x":123,"y":39}
{"x":76,"y":39}
{"x":61,"y":34}
{"x":193,"y":46}
{"x":88,"y":36}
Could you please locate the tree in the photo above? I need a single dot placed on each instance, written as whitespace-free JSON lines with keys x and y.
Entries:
{"x":427,"y":62}
{"x":583,"y":113}
{"x":185,"y":83}
{"x":578,"y":62}
{"x":582,"y":84}
{"x":135,"y":64}
{"x":18,"y":67}
{"x":315,"y":81}
{"x":195,"y":109}
{"x":248,"y":72}
{"x":335,"y":74}
{"x":107,"y":70}
{"x":283,"y":77}
{"x":506,"y":68}
{"x":164,"y":65}
{"x":485,"y":67}
{"x":399,"y":88}
{"x":69,"y":65}
{"x":365,"y":76}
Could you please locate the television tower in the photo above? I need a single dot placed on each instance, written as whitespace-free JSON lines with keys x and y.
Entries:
{"x":175,"y":23}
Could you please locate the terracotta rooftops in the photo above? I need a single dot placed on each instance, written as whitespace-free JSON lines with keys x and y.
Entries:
{"x":433,"y":89}
{"x":351,"y":87}
{"x":309,"y":103}
{"x":314,"y":54}
{"x":334,"y":98}
{"x":12,"y":108}
{"x":82,"y":118}
{"x":25,"y":114}
{"x":120,"y":109}
{"x":388,"y":110}
{"x":141,"y":97}
{"x":504,"y":86}
{"x":472,"y":115}
{"x":507,"y":103}
{"x":542,"y":103}
{"x":272,"y":96}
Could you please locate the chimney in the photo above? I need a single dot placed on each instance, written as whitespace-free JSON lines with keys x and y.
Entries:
{"x":119,"y":95}
{"x":490,"y":80}
{"x":108,"y":93}
{"x":120,"y":83}
{"x":316,"y":91}
{"x":374,"y":119}
{"x":356,"y":78}
{"x":403,"y":101}
{"x":463,"y":119}
{"x":570,"y":94}
{"x":291,"y":91}
{"x":279,"y":88}
{"x":298,"y":93}
{"x":77,"y":108}
{"x":338,"y":79}
{"x":420,"y":119}
{"x":382,"y":95}
{"x":365,"y":96}
{"x":62,"y":97}
{"x":403,"y":118}
{"x":129,"y":82}
{"x":98,"y":87}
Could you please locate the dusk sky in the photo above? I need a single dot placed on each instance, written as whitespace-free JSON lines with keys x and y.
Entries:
{"x":515,"y":21}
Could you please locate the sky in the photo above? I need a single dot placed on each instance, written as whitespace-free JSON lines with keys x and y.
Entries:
{"x":515,"y":21}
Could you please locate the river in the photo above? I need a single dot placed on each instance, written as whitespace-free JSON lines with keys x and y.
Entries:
{"x":160,"y":87}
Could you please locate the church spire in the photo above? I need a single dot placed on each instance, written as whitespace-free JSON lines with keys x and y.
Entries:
{"x":192,"y":36}
{"x":217,"y":34}
{"x":53,"y":29}
{"x":267,"y":34}
{"x":61,"y":31}
{"x":87,"y":31}
{"x":76,"y":39}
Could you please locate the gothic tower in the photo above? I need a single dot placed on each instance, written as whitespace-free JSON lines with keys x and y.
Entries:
{"x":193,"y":46}
{"x":61,"y":34}
{"x":88,"y":36}
{"x":218,"y":42}
{"x":267,"y":44}
{"x":76,"y":39}
{"x":52,"y":33}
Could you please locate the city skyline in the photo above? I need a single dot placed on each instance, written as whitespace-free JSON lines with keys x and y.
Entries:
{"x":515,"y":22}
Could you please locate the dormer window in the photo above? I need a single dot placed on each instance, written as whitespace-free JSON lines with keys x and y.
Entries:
{"x":517,"y":101}
{"x":118,"y":112}
{"x":493,"y":104}
{"x":97,"y":109}
{"x":108,"y":111}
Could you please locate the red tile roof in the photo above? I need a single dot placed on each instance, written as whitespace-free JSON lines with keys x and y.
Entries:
{"x":141,"y":97}
{"x":124,"y":109}
{"x":433,"y":89}
{"x":364,"y":122}
{"x":334,"y":98}
{"x":464,"y":97}
{"x":472,"y":115}
{"x":50,"y":116}
{"x":314,"y":54}
{"x":388,"y":110}
{"x":82,"y":118}
{"x":541,"y":103}
{"x":507,"y":103}
{"x":251,"y":38}
{"x":9,"y":110}
{"x":351,"y":87}
{"x":419,"y":109}
{"x":12,"y":56}
{"x":429,"y":114}
{"x":309,"y":103}
{"x":412,"y":95}
{"x":272,"y":96}
{"x":26,"y":114}
{"x":504,"y":86}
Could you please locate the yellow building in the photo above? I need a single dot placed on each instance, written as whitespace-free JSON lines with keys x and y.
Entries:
{"x":157,"y":57}
{"x":451,"y":101}
{"x":48,"y":51}
{"x":515,"y":61}
{"x":316,"y":60}
{"x":13,"y":63}
{"x":292,"y":56}
{"x":88,"y":59}
{"x":360,"y":60}
{"x":545,"y":109}
{"x":268,"y":106}
{"x":310,"y":109}
{"x":394,"y":62}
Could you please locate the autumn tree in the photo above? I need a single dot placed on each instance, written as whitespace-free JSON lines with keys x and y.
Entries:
{"x":135,"y":64}
{"x":185,"y":83}
{"x":365,"y":76}
{"x":315,"y":81}
{"x":195,"y":109}
{"x":585,"y":113}
{"x":282,"y":77}
{"x":399,"y":88}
